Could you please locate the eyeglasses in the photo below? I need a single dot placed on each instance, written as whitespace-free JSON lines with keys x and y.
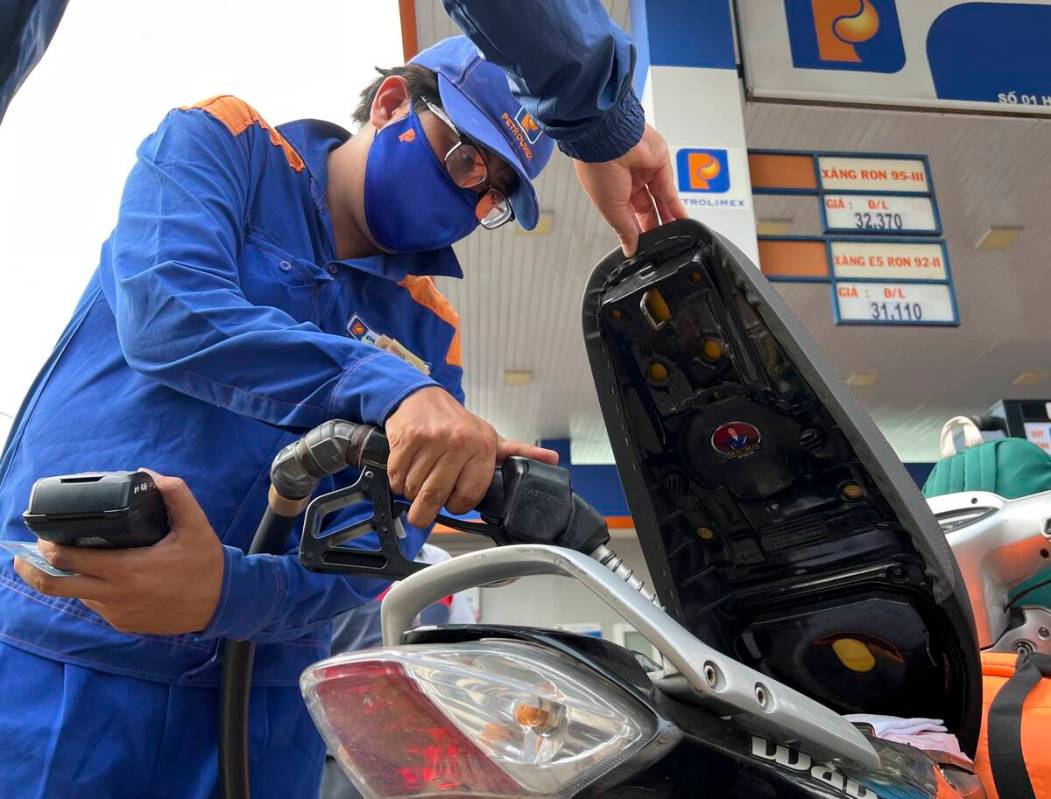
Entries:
{"x":468,"y":169}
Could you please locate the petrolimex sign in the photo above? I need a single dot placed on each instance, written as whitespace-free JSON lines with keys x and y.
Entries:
{"x":982,"y":56}
{"x":845,"y":35}
{"x":713,"y":177}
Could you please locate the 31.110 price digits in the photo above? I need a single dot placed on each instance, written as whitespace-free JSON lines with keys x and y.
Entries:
{"x":896,"y":311}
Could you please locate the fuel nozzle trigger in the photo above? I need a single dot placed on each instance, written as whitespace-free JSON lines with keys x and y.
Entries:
{"x":528,"y":502}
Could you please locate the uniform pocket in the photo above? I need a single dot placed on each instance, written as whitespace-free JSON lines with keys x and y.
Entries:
{"x":272,"y":276}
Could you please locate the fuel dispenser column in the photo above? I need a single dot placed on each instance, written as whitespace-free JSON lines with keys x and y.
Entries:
{"x":687,"y":79}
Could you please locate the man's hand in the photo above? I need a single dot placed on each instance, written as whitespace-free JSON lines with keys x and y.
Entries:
{"x":442,"y":454}
{"x":169,"y":588}
{"x":635,"y":192}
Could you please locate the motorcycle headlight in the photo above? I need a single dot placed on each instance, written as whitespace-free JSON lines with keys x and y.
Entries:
{"x":490,"y":718}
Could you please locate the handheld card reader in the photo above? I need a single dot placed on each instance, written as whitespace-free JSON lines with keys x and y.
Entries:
{"x":108,"y":510}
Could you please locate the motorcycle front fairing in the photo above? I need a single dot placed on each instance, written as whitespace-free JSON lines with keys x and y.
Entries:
{"x":777,"y":523}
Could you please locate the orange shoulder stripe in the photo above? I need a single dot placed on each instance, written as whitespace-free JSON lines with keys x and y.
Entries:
{"x":425,"y":293}
{"x":238,"y":116}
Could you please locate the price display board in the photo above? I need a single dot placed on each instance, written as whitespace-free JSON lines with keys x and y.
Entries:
{"x":887,"y":259}
{"x":875,"y":209}
{"x":885,"y":303}
{"x":879,"y":213}
{"x":873,"y":173}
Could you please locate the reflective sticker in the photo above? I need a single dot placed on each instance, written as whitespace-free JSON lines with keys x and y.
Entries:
{"x":736,"y":439}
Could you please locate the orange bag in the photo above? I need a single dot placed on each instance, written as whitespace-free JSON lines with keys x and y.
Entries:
{"x":1014,"y":749}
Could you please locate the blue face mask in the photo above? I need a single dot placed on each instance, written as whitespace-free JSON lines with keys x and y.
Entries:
{"x":411,"y":204}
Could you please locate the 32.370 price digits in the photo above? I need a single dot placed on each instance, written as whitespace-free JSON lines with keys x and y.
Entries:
{"x":878,"y":221}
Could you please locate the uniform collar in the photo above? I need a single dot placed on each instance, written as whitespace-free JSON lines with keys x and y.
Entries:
{"x":314,"y":139}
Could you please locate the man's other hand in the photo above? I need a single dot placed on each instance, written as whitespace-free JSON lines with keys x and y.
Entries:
{"x":441,"y":454}
{"x":169,"y":588}
{"x":635,"y":192}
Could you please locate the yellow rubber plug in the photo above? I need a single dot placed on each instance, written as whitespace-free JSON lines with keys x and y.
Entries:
{"x":657,"y":371}
{"x":713,"y":349}
{"x":854,"y":654}
{"x":852,"y":492}
{"x":657,"y":307}
{"x":705,"y":533}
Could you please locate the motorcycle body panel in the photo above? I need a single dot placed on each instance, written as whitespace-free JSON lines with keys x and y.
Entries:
{"x":719,"y":753}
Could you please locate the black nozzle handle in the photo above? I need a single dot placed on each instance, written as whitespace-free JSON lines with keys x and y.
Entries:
{"x":527,"y":501}
{"x":328,"y":448}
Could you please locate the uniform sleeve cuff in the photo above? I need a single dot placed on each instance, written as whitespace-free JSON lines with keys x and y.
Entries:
{"x":249,"y":597}
{"x":613,"y":135}
{"x":379,"y":383}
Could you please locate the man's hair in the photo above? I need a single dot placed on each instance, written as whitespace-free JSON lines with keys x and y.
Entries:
{"x":422,"y":83}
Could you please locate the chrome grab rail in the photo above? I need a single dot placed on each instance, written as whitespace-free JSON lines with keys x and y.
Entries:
{"x":730,"y":685}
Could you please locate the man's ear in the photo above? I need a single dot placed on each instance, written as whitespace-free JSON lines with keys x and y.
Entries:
{"x":391,"y":102}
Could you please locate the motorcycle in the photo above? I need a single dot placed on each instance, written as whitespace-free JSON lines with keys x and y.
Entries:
{"x":1000,"y":544}
{"x":799,"y":576}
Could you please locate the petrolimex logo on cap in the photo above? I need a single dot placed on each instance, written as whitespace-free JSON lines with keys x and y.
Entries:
{"x":528,"y":126}
{"x":524,"y":131}
{"x":703,"y":170}
{"x":858,"y":35}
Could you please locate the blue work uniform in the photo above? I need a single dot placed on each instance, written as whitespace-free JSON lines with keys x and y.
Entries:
{"x":26,"y":29}
{"x":219,"y":325}
{"x":568,"y":65}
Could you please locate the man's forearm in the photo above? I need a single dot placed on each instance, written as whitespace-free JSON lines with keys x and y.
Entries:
{"x":569,"y":66}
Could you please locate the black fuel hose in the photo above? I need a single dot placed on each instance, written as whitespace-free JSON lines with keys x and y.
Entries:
{"x":238,"y":656}
{"x":294,"y":474}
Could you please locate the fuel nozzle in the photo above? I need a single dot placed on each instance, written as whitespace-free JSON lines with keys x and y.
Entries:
{"x":530,"y":502}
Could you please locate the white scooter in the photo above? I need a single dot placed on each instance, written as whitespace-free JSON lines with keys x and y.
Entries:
{"x":999,"y":544}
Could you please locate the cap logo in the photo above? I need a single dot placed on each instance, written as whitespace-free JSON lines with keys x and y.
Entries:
{"x":407,"y":136}
{"x":528,"y":125}
{"x":518,"y":135}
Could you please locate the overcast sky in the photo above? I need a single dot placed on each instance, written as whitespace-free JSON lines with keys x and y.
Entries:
{"x":113,"y":70}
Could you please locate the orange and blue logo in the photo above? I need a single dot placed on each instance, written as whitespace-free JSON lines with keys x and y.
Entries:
{"x":859,"y":35}
{"x":528,"y":125}
{"x":703,"y":170}
{"x":359,"y":329}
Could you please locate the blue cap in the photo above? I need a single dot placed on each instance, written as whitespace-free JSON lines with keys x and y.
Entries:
{"x":476,"y":96}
